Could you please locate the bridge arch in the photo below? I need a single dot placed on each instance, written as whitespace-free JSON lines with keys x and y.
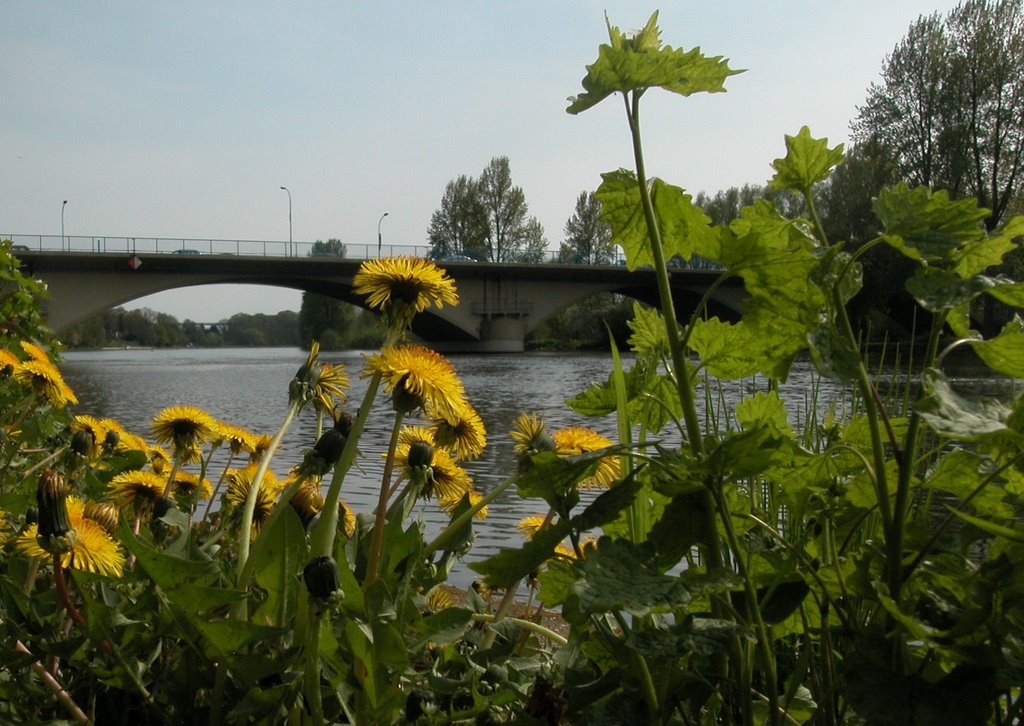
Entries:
{"x":499,"y":303}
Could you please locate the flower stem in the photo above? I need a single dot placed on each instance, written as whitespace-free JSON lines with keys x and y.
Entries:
{"x":249,"y":507}
{"x":373,"y":562}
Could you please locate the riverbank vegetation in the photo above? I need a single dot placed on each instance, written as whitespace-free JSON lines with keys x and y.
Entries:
{"x":860,"y":565}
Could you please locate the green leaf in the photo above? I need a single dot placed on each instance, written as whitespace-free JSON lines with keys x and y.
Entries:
{"x":952,"y":415}
{"x":167,"y":571}
{"x":443,"y":627}
{"x":638,"y":62}
{"x":226,"y":637}
{"x":937,"y":290}
{"x":1005,"y":352}
{"x":199,"y":598}
{"x":551,"y":476}
{"x":807,"y":161}
{"x":692,"y":636}
{"x":648,"y":337}
{"x":278,"y":556}
{"x":764,"y":409}
{"x":617,"y":576}
{"x":996,"y":530}
{"x":679,"y":221}
{"x":509,"y":566}
{"x":746,"y":453}
{"x":978,"y":255}
{"x":832,"y":353}
{"x":927,"y":225}
{"x":776,"y":259}
{"x":607,"y":506}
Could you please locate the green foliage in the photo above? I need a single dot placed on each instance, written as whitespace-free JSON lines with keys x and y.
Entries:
{"x":740,"y":566}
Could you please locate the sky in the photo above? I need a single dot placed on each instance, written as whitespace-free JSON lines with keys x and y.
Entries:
{"x":185,"y":119}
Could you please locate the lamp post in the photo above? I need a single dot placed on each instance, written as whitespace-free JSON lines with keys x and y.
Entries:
{"x":62,"y":224}
{"x":289,"y":220}
{"x":378,"y":232}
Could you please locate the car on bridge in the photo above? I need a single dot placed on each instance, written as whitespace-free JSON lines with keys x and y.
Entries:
{"x":187,"y":251}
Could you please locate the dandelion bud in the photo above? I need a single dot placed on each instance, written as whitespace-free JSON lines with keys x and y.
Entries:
{"x":343,"y":423}
{"x":82,"y":442}
{"x":54,"y":533}
{"x":111,"y":440}
{"x":307,"y":503}
{"x":103,"y":513}
{"x":421,"y":454}
{"x":328,"y":447}
{"x":322,"y":578}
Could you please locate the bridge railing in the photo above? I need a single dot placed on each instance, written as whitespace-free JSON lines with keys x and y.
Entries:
{"x":178,"y":245}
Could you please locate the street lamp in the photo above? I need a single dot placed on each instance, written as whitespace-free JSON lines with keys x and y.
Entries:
{"x":289,"y":219}
{"x":378,"y":232}
{"x":62,"y":224}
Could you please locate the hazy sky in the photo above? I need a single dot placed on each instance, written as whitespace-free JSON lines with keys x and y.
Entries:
{"x":184,"y":119}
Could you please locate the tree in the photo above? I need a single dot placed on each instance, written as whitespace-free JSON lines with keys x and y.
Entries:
{"x":319,"y":314}
{"x":950,"y":106}
{"x":486,"y":219}
{"x":588,"y":238}
{"x":459,"y":226}
{"x":505,"y":206}
{"x":331,"y":248}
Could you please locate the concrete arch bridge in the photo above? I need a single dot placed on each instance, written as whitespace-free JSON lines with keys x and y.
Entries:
{"x":499,"y":303}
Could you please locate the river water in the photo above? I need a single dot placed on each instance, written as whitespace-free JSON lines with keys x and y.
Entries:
{"x":249,"y":387}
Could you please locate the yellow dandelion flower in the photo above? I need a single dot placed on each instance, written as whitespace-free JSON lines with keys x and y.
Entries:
{"x":530,"y":525}
{"x":439,"y":598}
{"x":187,"y":484}
{"x":159,"y":459}
{"x":448,"y":504}
{"x":260,"y":445}
{"x":418,"y":377}
{"x":45,"y":379}
{"x":449,"y":481}
{"x":240,"y":482}
{"x":132,"y":442}
{"x":464,"y":435}
{"x":580,"y":440}
{"x":34,"y":352}
{"x":530,"y":434}
{"x":183,"y":427}
{"x":347,"y":519}
{"x":409,"y":435}
{"x":237,"y":438}
{"x":92,"y":426}
{"x":92,"y":549}
{"x":7,"y":358}
{"x":401,"y":287}
{"x":138,"y":489}
{"x":330,"y":387}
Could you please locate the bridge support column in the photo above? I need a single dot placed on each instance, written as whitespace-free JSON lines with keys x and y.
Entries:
{"x":503,"y":335}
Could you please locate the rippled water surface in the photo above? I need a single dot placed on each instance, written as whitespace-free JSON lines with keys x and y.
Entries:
{"x":248,"y":387}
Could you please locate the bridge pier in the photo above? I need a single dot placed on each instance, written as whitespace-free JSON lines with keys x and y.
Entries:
{"x":498,"y":334}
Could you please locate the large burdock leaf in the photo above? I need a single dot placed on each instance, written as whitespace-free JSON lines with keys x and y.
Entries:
{"x":953,"y":415}
{"x":927,"y":225}
{"x":980,"y":254}
{"x":1005,"y":352}
{"x":775,"y":257}
{"x":680,"y":223}
{"x":808,"y":160}
{"x":617,"y":576}
{"x":639,"y":61}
